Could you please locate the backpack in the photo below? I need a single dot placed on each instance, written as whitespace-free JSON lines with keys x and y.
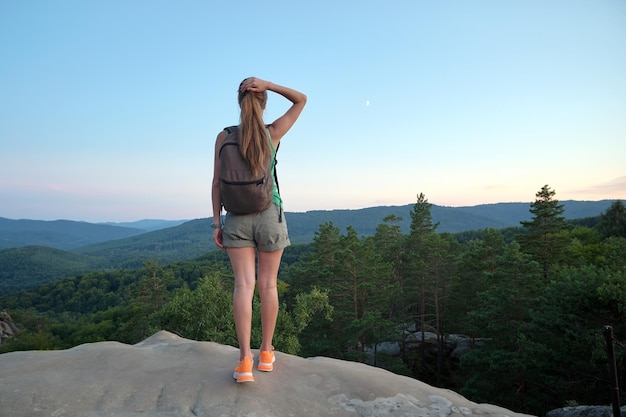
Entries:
{"x":241,"y":192}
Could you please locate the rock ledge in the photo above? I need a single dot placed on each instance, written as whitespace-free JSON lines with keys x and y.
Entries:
{"x":166,"y":375}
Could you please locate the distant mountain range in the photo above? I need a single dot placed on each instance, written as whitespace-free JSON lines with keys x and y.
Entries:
{"x":70,"y":235}
{"x":34,"y":251}
{"x":148,"y":224}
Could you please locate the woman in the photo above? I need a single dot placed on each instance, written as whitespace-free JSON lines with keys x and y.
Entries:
{"x":262,"y":234}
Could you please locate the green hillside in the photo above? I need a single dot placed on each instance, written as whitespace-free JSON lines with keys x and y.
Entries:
{"x":179,"y":243}
{"x":60,"y":234}
{"x":32,"y":265}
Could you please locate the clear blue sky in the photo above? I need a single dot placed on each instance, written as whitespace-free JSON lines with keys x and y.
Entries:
{"x":109,"y":109}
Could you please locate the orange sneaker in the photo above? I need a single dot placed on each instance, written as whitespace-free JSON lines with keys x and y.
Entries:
{"x":243,"y":371}
{"x":266,"y":360}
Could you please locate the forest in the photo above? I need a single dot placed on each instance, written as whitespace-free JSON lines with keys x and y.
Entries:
{"x":533,"y":301}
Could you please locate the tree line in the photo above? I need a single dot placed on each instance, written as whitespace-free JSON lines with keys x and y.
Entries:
{"x":537,"y":299}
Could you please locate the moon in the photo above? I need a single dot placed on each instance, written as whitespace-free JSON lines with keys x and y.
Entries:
{"x":367,"y":103}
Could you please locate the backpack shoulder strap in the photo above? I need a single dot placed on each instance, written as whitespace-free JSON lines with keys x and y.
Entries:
{"x":231,"y":129}
{"x":230,"y":139}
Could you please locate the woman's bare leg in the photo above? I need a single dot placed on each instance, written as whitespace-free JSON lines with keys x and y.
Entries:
{"x":269,"y":263}
{"x":243,"y":264}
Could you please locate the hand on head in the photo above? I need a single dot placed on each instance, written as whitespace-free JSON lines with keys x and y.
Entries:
{"x":256,"y":85}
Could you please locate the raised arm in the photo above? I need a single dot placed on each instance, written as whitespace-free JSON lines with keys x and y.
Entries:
{"x":280,"y":126}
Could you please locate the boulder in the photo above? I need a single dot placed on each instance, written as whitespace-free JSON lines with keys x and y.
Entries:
{"x":7,"y":327}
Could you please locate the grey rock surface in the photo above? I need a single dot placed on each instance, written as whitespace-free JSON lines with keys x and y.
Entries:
{"x":166,"y":375}
{"x":585,"y":411}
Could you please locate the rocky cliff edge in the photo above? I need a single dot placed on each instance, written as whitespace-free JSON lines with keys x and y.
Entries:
{"x":167,"y":376}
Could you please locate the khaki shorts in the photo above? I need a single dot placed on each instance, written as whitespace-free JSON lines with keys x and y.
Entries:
{"x":261,"y":230}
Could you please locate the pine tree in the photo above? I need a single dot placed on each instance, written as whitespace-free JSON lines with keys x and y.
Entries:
{"x":419,"y":288}
{"x":613,"y":221}
{"x":498,"y":371}
{"x":389,"y":244}
{"x":545,"y":238}
{"x":478,"y":259}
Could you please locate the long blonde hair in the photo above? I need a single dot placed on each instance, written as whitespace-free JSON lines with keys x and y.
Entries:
{"x":253,"y":138}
